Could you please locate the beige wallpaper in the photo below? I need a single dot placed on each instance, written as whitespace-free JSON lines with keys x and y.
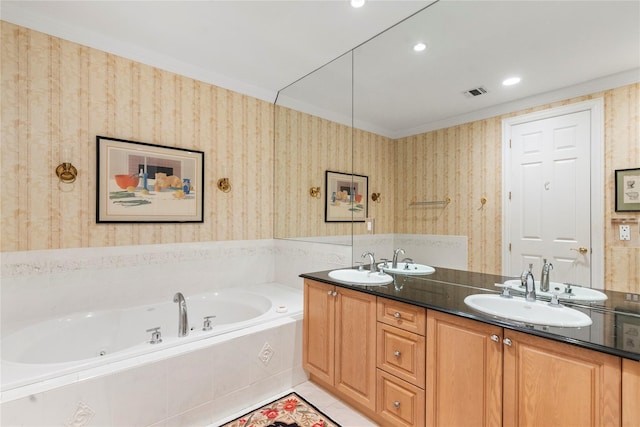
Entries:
{"x":464,"y":163}
{"x":58,"y":95}
{"x":308,"y":146}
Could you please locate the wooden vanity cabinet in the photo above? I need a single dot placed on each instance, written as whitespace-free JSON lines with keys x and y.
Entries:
{"x":479,"y":374}
{"x":339,"y":330}
{"x":401,"y":363}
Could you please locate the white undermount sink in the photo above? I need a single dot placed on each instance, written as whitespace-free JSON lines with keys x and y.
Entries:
{"x":535,"y":313}
{"x":361,"y":277}
{"x":578,"y":293}
{"x":408,"y":268}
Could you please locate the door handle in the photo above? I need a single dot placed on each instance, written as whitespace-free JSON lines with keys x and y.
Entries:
{"x":581,"y":249}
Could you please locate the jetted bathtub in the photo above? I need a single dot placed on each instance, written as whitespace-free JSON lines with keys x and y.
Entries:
{"x":82,"y":345}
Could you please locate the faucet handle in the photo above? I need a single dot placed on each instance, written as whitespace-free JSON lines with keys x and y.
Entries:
{"x":156,"y":335}
{"x":505,"y":290}
{"x":206,"y":326}
{"x":555,"y":300}
{"x":385,"y":261}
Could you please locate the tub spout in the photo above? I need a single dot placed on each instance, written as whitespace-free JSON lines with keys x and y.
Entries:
{"x":183,"y":321}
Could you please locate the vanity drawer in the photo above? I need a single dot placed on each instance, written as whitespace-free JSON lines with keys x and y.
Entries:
{"x":402,"y":354}
{"x":399,"y":403}
{"x":401,"y":315}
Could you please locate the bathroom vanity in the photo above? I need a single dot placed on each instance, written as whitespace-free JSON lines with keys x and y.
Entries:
{"x":412,"y":353}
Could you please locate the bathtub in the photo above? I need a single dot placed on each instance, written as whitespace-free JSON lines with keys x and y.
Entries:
{"x":60,"y":351}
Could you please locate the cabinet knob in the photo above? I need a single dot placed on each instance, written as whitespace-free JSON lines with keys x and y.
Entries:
{"x":507,"y":341}
{"x":329,"y":292}
{"x":335,"y":293}
{"x":397,"y":315}
{"x":396,"y":353}
{"x":495,"y":338}
{"x":396,"y":404}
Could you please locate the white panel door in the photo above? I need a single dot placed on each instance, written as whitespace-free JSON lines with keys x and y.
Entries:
{"x":550,"y":197}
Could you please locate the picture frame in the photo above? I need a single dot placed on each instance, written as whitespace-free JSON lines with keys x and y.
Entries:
{"x":346,"y":197}
{"x":627,"y":190}
{"x":627,"y":331}
{"x":142,"y":182}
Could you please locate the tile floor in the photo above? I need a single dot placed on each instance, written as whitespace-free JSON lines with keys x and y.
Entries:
{"x":334,"y":408}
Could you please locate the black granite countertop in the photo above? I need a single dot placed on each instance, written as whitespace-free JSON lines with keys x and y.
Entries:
{"x":616,"y":321}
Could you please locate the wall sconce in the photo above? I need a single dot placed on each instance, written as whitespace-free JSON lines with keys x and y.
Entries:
{"x":315,"y":192}
{"x":224,"y":185}
{"x":66,"y":172}
{"x":375,"y":197}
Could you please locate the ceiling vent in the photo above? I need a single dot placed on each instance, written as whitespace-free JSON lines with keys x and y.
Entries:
{"x":475,"y":92}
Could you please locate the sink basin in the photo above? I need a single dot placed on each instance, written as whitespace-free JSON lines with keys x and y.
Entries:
{"x":577,"y":293}
{"x":408,"y":268}
{"x":520,"y":310}
{"x":361,"y":277}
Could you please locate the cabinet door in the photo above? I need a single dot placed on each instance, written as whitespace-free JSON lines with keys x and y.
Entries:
{"x":548,"y":383}
{"x":630,"y":393}
{"x":355,"y":346}
{"x":318,"y":330}
{"x":464,"y":372}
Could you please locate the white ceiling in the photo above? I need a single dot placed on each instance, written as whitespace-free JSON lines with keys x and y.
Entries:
{"x":260,"y":47}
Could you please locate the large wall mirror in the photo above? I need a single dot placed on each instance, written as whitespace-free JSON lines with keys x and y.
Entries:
{"x":412,"y":123}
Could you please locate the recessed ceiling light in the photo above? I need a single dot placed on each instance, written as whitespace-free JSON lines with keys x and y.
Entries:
{"x":357,"y":3}
{"x":419,"y":47}
{"x":511,"y":81}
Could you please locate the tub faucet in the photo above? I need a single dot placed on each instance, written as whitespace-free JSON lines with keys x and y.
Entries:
{"x":544,"y":279}
{"x":529,"y":283}
{"x":372,"y":260}
{"x":183,"y":321}
{"x":394,"y":263}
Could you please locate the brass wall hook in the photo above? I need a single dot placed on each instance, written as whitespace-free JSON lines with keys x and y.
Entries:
{"x":483,"y":201}
{"x":315,"y":192}
{"x":66,"y":172}
{"x":224,"y":185}
{"x":375,"y":197}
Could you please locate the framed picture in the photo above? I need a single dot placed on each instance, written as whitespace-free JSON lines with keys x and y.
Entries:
{"x":628,"y":190}
{"x":627,"y":331}
{"x":141,"y":182}
{"x":346,"y":197}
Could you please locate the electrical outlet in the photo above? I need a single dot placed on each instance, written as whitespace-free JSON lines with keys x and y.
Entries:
{"x":625,"y":232}
{"x":371,"y":225}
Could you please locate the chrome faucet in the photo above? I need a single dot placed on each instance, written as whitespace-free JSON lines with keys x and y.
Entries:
{"x":394,"y":262}
{"x":544,"y":278}
{"x":529,"y":283}
{"x":372,"y":259}
{"x":183,"y":321}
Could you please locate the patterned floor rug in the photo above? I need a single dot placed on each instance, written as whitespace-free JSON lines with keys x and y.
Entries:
{"x":288,"y":411}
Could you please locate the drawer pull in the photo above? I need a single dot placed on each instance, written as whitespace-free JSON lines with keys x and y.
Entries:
{"x":397,"y":315}
{"x":495,"y":338}
{"x":396,"y":404}
{"x":396,"y":353}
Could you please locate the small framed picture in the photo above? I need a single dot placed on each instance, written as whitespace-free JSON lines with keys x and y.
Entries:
{"x":346,"y":197}
{"x":628,"y":190}
{"x":141,"y":182}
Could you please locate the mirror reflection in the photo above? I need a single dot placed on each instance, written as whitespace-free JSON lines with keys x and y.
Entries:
{"x":428,"y":127}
